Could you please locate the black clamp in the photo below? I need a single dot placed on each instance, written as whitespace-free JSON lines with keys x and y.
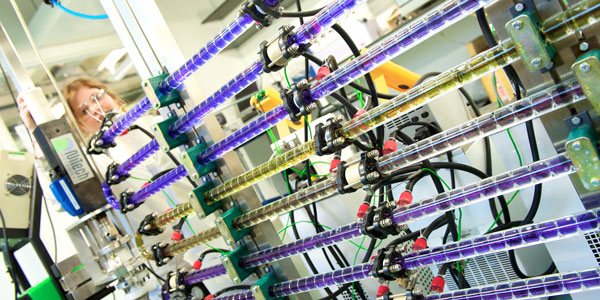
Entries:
{"x":112,"y":177}
{"x":262,"y":12}
{"x":387,"y":264}
{"x":368,"y":167}
{"x":124,"y":202}
{"x":96,"y":145}
{"x":341,"y":182}
{"x":377,"y":222}
{"x":329,"y":138}
{"x":159,"y":255}
{"x":147,"y":225}
{"x":297,"y":102}
{"x":276,"y":54}
{"x":175,"y":286}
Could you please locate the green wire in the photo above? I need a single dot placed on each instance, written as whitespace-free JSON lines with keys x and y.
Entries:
{"x":286,"y":77}
{"x":359,"y":95}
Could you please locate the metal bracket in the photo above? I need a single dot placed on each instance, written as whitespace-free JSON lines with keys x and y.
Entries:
{"x":377,"y":222}
{"x":190,"y":162}
{"x":202,"y":208}
{"x":295,"y":102}
{"x":387,"y":264}
{"x":161,"y":133}
{"x":536,"y":53}
{"x":260,"y":290}
{"x":583,"y":152}
{"x":231,"y":262}
{"x":226,"y":227}
{"x":328,"y":137}
{"x":587,"y":72}
{"x":158,"y":99}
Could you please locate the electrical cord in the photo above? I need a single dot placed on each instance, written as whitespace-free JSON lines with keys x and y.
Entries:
{"x":297,"y":14}
{"x":153,"y":273}
{"x":242,"y":287}
{"x":6,"y":251}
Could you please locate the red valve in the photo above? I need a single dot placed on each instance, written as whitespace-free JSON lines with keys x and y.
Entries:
{"x":197,"y":265}
{"x":126,"y":131}
{"x":420,"y":244}
{"x":176,"y":235}
{"x":144,"y":185}
{"x":382,"y":290}
{"x":362,"y":210}
{"x":209,"y":297}
{"x":322,"y":73}
{"x":437,"y":284}
{"x":405,"y":198}
{"x":334,"y":164}
{"x":390,"y":146}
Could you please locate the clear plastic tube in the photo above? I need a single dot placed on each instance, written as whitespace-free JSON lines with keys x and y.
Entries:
{"x":222,"y":40}
{"x":514,"y":238}
{"x":218,"y":43}
{"x":243,"y":135}
{"x":424,"y":27}
{"x":501,"y":184}
{"x":538,"y":287}
{"x":174,"y":214}
{"x":505,"y":117}
{"x":126,"y":120}
{"x":137,"y":158}
{"x":247,"y":295}
{"x":201,"y":275}
{"x":157,"y":185}
{"x":578,"y":17}
{"x":273,"y":166}
{"x":194,"y":117}
{"x":191,"y":242}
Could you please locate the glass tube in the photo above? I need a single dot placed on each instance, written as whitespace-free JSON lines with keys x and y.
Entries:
{"x":577,"y":17}
{"x":126,"y":120}
{"x":218,"y":43}
{"x":110,"y":196}
{"x":191,"y":242}
{"x":172,"y":215}
{"x":158,"y":184}
{"x":538,"y":287}
{"x":424,"y":27}
{"x":204,"y":274}
{"x":329,"y":15}
{"x":317,"y":241}
{"x":273,"y":166}
{"x":194,"y":117}
{"x":247,"y":295}
{"x":244,"y":134}
{"x":516,"y":113}
{"x":137,"y":158}
{"x":501,"y":184}
{"x":514,"y":238}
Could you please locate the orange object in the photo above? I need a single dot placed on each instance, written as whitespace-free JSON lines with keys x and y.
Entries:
{"x":396,"y":77}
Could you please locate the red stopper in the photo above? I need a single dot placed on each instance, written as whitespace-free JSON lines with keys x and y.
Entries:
{"x":382,"y":290}
{"x":437,"y":284}
{"x":420,"y":244}
{"x":322,"y":73}
{"x":362,"y":210}
{"x":405,"y":198}
{"x":126,"y":131}
{"x":144,"y":185}
{"x":197,"y":265}
{"x":359,"y":113}
{"x":390,"y":146}
{"x":334,"y":164}
{"x":176,"y":235}
{"x":209,"y":297}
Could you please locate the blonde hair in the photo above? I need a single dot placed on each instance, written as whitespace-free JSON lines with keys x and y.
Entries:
{"x":70,"y":90}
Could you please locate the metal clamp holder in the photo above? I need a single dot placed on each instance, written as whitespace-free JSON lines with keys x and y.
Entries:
{"x":387,"y":264}
{"x":377,"y":222}
{"x":368,"y":168}
{"x":164,"y":139}
{"x":111,"y":177}
{"x":159,"y":255}
{"x":261,"y":12}
{"x":226,"y":227}
{"x":147,"y":225}
{"x":158,"y":99}
{"x":175,"y":283}
{"x":124,"y":202}
{"x":189,"y":160}
{"x":231,"y":262}
{"x":201,"y":207}
{"x":328,"y":137}
{"x":341,"y":181}
{"x":96,"y":145}
{"x":260,"y":289}
{"x":277,"y":53}
{"x":524,"y":31}
{"x":295,"y":101}
{"x":583,"y":151}
{"x":587,"y":72}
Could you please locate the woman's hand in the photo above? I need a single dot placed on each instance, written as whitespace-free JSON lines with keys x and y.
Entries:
{"x":25,"y":114}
